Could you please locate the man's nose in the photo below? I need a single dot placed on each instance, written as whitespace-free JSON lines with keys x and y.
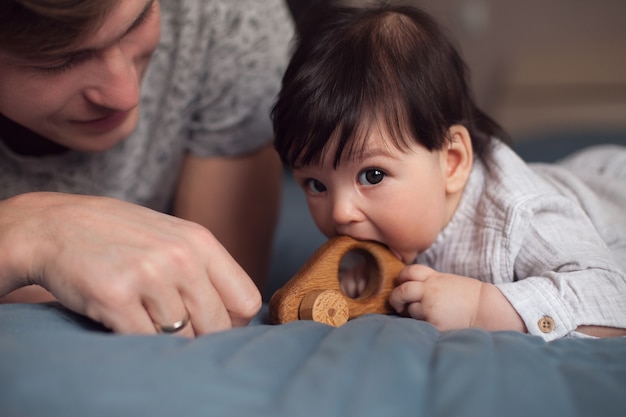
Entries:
{"x":115,"y":83}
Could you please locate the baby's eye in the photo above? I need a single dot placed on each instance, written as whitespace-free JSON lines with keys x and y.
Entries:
{"x":371,"y":176}
{"x":314,"y":186}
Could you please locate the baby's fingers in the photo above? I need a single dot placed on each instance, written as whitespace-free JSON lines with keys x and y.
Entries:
{"x":415,"y":272}
{"x":405,"y":294}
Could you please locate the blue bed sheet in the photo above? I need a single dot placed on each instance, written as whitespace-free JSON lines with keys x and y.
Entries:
{"x":55,"y":363}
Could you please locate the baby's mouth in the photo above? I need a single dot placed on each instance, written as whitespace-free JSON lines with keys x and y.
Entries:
{"x":397,"y":254}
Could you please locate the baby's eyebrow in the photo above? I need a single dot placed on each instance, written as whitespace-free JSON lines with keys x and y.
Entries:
{"x":375,"y":152}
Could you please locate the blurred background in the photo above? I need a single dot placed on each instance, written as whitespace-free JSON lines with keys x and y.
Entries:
{"x":541,"y":67}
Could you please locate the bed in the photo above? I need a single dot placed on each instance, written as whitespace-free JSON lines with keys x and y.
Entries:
{"x":56,"y":363}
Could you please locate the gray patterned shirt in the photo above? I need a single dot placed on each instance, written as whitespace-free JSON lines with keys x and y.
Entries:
{"x":207,"y":91}
{"x":552,"y":238}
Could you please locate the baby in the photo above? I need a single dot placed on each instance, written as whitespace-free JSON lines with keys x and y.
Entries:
{"x":377,"y":124}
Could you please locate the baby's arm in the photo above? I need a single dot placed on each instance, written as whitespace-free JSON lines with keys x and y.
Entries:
{"x":565,"y":273}
{"x":450,"y":301}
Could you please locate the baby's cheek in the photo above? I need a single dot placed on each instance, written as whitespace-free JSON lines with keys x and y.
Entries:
{"x":322,"y":222}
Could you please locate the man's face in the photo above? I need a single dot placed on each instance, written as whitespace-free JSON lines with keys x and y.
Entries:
{"x":87,"y":100}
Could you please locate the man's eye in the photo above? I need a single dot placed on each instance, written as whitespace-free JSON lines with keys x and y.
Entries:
{"x":314,"y":186}
{"x":65,"y":64}
{"x":371,"y":176}
{"x":56,"y":69}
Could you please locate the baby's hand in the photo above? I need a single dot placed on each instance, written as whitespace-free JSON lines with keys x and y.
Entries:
{"x":446,"y":301}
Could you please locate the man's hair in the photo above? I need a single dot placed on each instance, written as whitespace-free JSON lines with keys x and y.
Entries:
{"x":362,"y":65}
{"x":43,"y":28}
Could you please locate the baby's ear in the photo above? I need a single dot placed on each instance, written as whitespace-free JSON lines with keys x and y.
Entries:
{"x":459,"y":158}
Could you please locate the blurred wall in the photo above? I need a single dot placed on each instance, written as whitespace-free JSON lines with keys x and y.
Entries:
{"x":541,"y":66}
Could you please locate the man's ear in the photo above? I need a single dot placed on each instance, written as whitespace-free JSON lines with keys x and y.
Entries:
{"x":459,"y":157}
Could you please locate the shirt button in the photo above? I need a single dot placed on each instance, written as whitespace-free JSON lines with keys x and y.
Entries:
{"x":546,"y":324}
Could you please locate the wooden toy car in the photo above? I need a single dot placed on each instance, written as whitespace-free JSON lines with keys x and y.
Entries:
{"x":315,"y":293}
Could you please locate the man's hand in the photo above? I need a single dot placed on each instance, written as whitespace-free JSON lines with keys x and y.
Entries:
{"x":123,"y":265}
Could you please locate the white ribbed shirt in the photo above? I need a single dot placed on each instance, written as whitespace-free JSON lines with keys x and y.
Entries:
{"x":552,"y":238}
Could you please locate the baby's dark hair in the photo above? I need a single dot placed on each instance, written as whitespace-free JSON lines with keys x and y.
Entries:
{"x":359,"y":65}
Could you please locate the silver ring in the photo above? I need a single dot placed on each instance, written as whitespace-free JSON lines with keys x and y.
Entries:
{"x":174,"y":327}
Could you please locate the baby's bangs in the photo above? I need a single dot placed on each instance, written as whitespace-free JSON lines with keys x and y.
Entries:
{"x":350,"y":141}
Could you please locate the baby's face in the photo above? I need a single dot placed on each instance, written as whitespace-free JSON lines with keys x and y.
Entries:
{"x":391,"y":196}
